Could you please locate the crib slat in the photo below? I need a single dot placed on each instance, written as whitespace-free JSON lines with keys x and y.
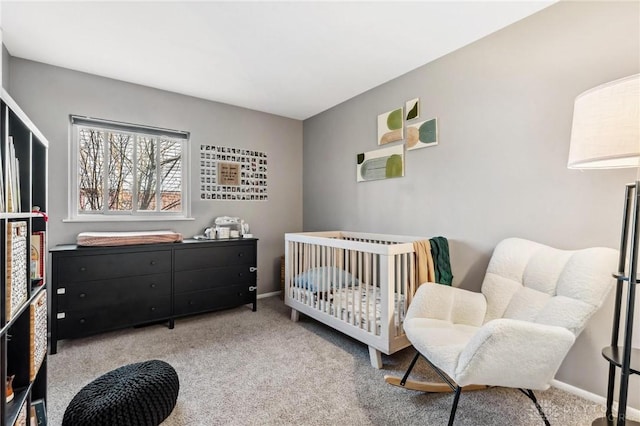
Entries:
{"x":398,"y":290}
{"x":354,"y":265}
{"x":367,"y":265}
{"x":360,"y":318}
{"x":321,"y":276}
{"x":387,"y":274}
{"x":376,"y":288}
{"x":296,"y":268}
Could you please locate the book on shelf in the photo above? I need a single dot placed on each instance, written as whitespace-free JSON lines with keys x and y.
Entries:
{"x":8,"y":186}
{"x":38,"y":255}
{"x":1,"y":183}
{"x":16,"y":267}
{"x":12,"y":185}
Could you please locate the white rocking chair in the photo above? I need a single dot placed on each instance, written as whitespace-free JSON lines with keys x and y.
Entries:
{"x":535,"y":300}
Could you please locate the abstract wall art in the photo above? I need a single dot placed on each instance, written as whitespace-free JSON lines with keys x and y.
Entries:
{"x":383,"y":163}
{"x":412,"y":109}
{"x":422,"y":135}
{"x":390,"y":126}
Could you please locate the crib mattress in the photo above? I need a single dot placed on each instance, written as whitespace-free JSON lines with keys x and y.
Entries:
{"x":350,"y":305}
{"x":127,"y":238}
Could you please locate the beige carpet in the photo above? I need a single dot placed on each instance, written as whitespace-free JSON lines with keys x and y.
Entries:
{"x":238,"y":367}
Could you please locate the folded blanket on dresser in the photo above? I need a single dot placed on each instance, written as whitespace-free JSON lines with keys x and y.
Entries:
{"x":127,"y":238}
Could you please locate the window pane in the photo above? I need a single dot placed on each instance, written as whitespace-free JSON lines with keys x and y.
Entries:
{"x":171,"y":168}
{"x":147,"y":172}
{"x":90,"y":170}
{"x":120,"y":171}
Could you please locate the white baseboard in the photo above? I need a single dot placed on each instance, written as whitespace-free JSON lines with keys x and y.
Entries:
{"x":263,"y":295}
{"x":631,"y":412}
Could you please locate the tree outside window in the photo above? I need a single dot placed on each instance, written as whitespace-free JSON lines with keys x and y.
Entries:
{"x":128,"y":171}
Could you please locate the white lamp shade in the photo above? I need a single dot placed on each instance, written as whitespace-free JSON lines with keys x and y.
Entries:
{"x":606,"y":126}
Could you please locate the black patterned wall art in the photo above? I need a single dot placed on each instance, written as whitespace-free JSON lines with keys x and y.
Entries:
{"x":232,"y":174}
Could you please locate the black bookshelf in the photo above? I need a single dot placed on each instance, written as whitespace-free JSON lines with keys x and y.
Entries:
{"x":23,"y":155}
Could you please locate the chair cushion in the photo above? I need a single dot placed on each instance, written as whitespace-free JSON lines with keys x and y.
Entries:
{"x":566,"y":312}
{"x":525,"y":279}
{"x":440,"y":341}
{"x":525,"y":304}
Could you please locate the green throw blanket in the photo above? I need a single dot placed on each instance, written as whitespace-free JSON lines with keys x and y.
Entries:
{"x":441,"y":262}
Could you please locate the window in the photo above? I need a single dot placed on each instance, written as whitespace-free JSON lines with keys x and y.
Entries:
{"x":127,"y":171}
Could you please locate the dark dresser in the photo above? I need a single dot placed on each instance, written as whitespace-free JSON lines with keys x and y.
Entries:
{"x":98,"y":289}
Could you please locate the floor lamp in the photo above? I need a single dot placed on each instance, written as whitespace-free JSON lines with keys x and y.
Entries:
{"x":606,"y":134}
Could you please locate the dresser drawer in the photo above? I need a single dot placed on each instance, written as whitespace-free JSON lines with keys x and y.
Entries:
{"x":103,"y":266}
{"x":211,"y":257}
{"x":87,"y":295}
{"x":82,"y":323}
{"x":219,"y":298}
{"x":204,"y":279}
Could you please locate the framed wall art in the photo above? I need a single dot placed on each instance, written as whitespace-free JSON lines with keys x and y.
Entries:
{"x":383,"y":163}
{"x":422,"y":135}
{"x":412,"y":109}
{"x":390,"y":126}
{"x":233,"y":174}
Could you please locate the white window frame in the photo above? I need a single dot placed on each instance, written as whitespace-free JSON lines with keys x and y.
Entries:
{"x":75,"y":215}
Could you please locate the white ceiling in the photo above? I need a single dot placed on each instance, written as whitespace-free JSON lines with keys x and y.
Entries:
{"x":294,"y":59}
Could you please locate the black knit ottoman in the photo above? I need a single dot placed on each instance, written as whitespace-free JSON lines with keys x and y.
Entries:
{"x":141,"y":394}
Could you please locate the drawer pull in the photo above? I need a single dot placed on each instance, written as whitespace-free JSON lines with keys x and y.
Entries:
{"x":240,"y":274}
{"x":153,"y":262}
{"x":153,"y":309}
{"x":61,"y":290}
{"x":253,"y":269}
{"x":152,"y":285}
{"x":82,"y":295}
{"x":240,"y":254}
{"x":82,"y":269}
{"x":190,"y":302}
{"x":253,"y":288}
{"x":61,"y":315}
{"x":82,"y":320}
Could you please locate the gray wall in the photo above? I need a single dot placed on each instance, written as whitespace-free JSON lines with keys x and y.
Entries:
{"x":5,"y":67}
{"x":504,"y":106}
{"x":49,"y":94}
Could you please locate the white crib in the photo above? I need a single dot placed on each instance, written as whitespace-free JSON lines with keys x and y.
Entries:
{"x":358,"y":283}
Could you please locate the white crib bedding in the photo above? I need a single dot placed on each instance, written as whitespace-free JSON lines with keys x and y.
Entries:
{"x":348,"y":303}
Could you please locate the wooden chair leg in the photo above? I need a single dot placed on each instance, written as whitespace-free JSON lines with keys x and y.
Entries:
{"x":434,"y":387}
